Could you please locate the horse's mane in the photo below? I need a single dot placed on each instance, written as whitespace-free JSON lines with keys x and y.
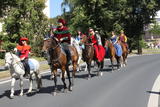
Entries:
{"x":10,"y":55}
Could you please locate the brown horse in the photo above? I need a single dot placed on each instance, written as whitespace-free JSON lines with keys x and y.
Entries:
{"x":111,"y":52}
{"x":88,"y":56}
{"x":59,"y":60}
{"x":124,"y":53}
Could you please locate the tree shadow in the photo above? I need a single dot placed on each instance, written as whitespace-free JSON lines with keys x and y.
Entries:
{"x":153,"y":92}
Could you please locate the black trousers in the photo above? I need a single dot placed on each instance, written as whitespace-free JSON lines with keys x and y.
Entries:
{"x":65,"y":47}
{"x":26,"y":66}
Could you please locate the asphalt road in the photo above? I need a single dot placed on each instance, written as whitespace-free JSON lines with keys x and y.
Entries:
{"x":129,"y":87}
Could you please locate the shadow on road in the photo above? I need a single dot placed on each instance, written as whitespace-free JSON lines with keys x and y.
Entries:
{"x":153,"y":92}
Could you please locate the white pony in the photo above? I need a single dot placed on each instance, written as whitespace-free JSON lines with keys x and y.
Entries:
{"x":16,"y":68}
{"x":76,"y":43}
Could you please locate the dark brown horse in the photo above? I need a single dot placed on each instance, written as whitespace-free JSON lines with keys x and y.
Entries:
{"x":59,"y":60}
{"x":124,"y":53}
{"x":111,"y":53}
{"x":88,"y":55}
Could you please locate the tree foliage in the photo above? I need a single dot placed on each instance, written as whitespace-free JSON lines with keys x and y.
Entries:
{"x":25,"y":18}
{"x":114,"y":15}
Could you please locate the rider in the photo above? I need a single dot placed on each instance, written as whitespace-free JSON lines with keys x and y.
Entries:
{"x":98,"y":38}
{"x":123,"y":38}
{"x":63,"y":35}
{"x":94,"y":41}
{"x":114,"y":40}
{"x":23,"y":50}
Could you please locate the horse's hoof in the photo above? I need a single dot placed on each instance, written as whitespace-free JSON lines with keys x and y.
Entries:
{"x":70,"y":89}
{"x":29,"y":91}
{"x":101,"y":74}
{"x":54,"y":93}
{"x":21,"y":94}
{"x":51,"y":77}
{"x":89,"y":77}
{"x":11,"y":96}
{"x":65,"y":91}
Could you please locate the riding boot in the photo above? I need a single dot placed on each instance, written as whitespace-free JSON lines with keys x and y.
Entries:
{"x":26,"y":68}
{"x":68,"y":57}
{"x":48,"y":58}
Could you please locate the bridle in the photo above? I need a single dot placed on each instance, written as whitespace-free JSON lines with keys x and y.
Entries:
{"x":11,"y":63}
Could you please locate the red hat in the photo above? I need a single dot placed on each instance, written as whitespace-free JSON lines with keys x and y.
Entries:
{"x":62,"y":21}
{"x":90,"y":30}
{"x":23,"y":39}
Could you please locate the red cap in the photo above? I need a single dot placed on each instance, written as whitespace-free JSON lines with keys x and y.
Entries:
{"x":62,"y":21}
{"x":23,"y":39}
{"x":90,"y":29}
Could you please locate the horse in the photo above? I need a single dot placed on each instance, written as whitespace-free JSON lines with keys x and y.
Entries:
{"x":76,"y":44}
{"x":59,"y":61}
{"x":124,"y":53}
{"x":111,"y":52}
{"x":17,"y":71}
{"x":88,"y":55}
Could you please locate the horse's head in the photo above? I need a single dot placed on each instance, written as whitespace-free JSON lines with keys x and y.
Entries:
{"x":49,"y":43}
{"x":108,"y":43}
{"x":10,"y":58}
{"x":84,"y":39}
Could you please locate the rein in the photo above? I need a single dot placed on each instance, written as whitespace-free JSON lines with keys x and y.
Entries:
{"x":52,"y":49}
{"x":12,"y":64}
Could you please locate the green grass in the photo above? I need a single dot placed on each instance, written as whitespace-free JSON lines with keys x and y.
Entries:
{"x":2,"y":62}
{"x":148,"y":51}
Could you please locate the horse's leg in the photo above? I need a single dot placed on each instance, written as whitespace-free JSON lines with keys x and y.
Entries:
{"x":118,"y":62}
{"x":21,"y":85}
{"x":12,"y":87}
{"x":79,"y":67}
{"x":89,"y":69}
{"x":86,"y":66}
{"x":30,"y":84}
{"x":74,"y":71}
{"x":55,"y":81}
{"x":100,"y":67}
{"x":38,"y":80}
{"x":69,"y":78}
{"x":63,"y":79}
{"x":111,"y":59}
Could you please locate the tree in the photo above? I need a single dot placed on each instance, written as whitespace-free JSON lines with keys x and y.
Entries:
{"x":26,"y":18}
{"x":108,"y":15}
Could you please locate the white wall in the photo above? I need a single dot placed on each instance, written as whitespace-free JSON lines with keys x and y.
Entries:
{"x":46,"y":11}
{"x":158,"y":14}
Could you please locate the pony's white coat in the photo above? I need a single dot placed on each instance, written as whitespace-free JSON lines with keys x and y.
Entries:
{"x":16,"y":68}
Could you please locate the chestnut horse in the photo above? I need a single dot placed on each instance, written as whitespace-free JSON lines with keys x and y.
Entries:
{"x":124,"y":53}
{"x":59,"y":60}
{"x":111,"y":52}
{"x":88,"y":55}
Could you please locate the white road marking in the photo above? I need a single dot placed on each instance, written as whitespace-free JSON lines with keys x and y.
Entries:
{"x":153,"y":99}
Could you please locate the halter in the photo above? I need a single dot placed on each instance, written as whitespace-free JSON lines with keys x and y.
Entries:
{"x":57,"y":59}
{"x":12,"y":64}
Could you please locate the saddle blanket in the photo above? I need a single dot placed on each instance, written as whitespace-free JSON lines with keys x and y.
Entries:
{"x":32,"y":64}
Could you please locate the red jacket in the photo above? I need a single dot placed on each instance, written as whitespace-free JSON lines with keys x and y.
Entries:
{"x":93,"y":39}
{"x":63,"y":33}
{"x":24,"y":51}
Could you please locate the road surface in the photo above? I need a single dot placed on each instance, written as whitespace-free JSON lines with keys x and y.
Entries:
{"x":129,"y":87}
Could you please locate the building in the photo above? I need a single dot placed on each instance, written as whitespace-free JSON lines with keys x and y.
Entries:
{"x":46,"y":11}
